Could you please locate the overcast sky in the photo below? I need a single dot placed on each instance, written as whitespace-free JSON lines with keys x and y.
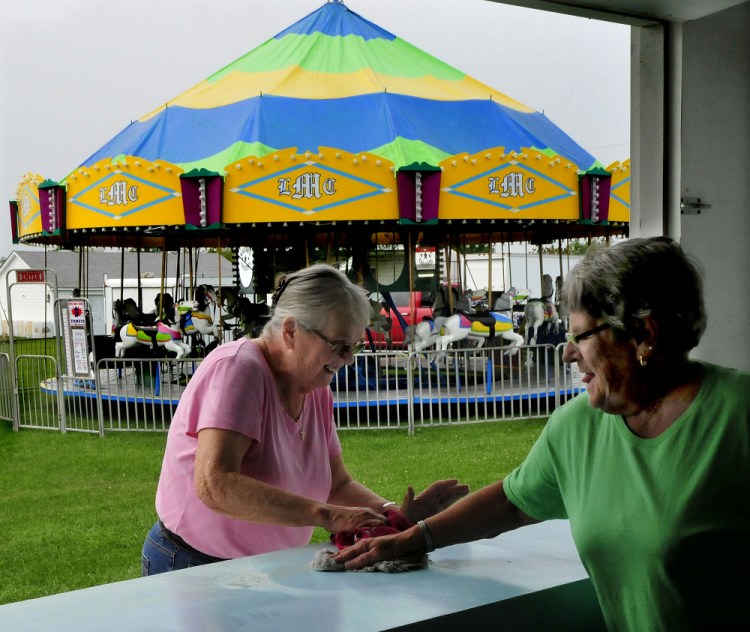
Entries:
{"x":74,"y":73}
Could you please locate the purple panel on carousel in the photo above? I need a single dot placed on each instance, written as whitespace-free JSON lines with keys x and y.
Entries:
{"x":591,"y":186}
{"x":407,"y":195}
{"x":51,"y":206}
{"x":193,"y":205}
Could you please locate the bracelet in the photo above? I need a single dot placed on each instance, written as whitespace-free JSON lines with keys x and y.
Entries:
{"x":386,"y":504}
{"x":427,"y":535}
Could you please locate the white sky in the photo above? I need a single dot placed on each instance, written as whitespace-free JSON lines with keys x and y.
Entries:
{"x":74,"y":73}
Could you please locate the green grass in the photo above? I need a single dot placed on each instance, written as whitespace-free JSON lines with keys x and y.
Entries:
{"x":75,"y":508}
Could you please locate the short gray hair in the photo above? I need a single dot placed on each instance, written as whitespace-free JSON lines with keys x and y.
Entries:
{"x":315,"y":294}
{"x":625,"y":282}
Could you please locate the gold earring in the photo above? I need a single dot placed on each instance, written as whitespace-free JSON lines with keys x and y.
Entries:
{"x":641,"y":360}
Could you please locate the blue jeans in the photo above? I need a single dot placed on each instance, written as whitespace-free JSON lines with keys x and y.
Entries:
{"x":163,"y":552}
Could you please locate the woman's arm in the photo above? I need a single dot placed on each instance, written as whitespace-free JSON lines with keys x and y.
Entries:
{"x":346,"y":491}
{"x":222,"y":487}
{"x":483,"y":514}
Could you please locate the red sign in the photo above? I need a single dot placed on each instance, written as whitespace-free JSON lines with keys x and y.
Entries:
{"x":31,"y":276}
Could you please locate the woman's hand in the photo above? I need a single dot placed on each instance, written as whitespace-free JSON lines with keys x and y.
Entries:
{"x":351,"y":518}
{"x":438,"y":496}
{"x":371,"y":550}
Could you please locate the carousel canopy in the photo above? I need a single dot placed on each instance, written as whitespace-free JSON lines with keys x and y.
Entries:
{"x":332,"y":120}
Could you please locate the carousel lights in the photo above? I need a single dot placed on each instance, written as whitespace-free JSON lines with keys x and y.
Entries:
{"x":203,"y":213}
{"x":418,"y":195}
{"x":52,"y":213}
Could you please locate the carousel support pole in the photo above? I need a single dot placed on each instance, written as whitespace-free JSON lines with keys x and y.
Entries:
{"x":410,"y":382}
{"x":122,"y":274}
{"x":489,"y":272}
{"x":163,"y":275}
{"x":449,"y":288}
{"x":541,"y":271}
{"x":221,"y":319}
{"x":190,"y":266}
{"x":178,"y":280}
{"x":140,"y":289}
{"x":510,"y":264}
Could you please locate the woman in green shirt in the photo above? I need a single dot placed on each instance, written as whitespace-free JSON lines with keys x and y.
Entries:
{"x":651,"y":464}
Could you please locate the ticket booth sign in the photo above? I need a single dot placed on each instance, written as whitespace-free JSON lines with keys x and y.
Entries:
{"x":75,"y":337}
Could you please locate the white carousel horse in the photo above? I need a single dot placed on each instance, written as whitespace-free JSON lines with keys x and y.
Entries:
{"x":161,"y":335}
{"x":425,"y":333}
{"x":477,"y":327}
{"x":196,"y":321}
{"x":540,"y":313}
{"x":562,"y":312}
{"x":379,"y":322}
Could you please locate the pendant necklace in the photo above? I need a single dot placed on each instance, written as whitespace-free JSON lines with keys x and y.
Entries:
{"x":653,"y":410}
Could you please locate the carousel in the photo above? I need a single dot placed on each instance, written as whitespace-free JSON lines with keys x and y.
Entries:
{"x":333,"y":141}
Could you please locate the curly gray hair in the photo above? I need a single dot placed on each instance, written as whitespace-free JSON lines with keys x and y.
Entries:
{"x":625,"y":282}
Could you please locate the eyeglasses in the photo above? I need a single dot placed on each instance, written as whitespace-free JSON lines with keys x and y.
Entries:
{"x":339,"y":348}
{"x":575,"y":339}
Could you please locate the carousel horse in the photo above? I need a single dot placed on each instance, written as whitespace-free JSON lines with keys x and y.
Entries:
{"x":562,"y":311}
{"x":168,"y":308}
{"x":540,"y":318}
{"x":424,"y":334}
{"x":161,"y":335}
{"x":126,"y":311}
{"x":479,"y":327}
{"x":249,"y":316}
{"x":379,"y":322}
{"x":194,"y":320}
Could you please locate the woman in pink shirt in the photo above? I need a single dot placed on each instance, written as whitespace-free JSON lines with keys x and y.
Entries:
{"x":253,"y":462}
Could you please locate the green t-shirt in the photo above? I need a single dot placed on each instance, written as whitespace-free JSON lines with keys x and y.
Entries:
{"x":662,"y":525}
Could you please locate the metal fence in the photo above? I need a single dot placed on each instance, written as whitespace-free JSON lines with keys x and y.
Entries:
{"x":384,"y":389}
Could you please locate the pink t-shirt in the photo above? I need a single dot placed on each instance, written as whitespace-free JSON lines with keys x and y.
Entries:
{"x":235,"y":390}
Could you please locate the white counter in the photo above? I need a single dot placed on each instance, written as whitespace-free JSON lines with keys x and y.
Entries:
{"x":530,"y":579}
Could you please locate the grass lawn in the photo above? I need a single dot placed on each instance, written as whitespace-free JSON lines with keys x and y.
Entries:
{"x":75,"y":508}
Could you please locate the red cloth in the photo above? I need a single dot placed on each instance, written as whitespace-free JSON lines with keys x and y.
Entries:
{"x":394,"y":523}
